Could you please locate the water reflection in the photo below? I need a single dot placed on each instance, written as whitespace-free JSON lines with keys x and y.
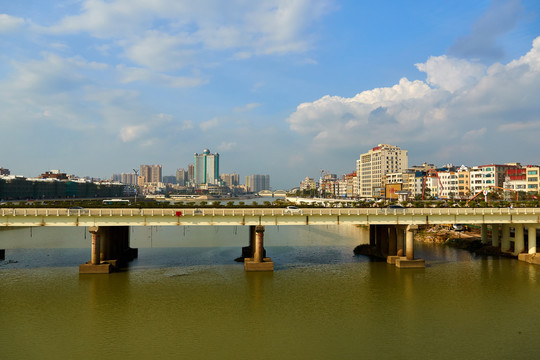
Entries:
{"x":186,"y":297}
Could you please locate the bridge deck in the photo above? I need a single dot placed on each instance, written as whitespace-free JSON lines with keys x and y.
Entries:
{"x":264,"y":216}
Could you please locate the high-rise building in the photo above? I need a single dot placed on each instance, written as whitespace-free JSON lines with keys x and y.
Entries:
{"x":379,"y":161}
{"x":191,"y":173}
{"x":169,"y":179}
{"x":230,"y":179}
{"x":256,"y":183}
{"x":151,"y":173}
{"x":206,"y":168}
{"x":181,"y":177}
{"x":128,"y":178}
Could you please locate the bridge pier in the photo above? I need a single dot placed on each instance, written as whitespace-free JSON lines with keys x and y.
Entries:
{"x":484,"y":234}
{"x":495,"y":235}
{"x":110,"y":249}
{"x":531,"y":257}
{"x":519,"y":241}
{"x":400,"y":237}
{"x":258,"y":262}
{"x":395,"y":248}
{"x":409,"y":261}
{"x":2,"y":254}
{"x":505,"y":240}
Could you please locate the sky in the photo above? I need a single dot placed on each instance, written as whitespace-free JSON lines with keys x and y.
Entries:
{"x":288,"y":88}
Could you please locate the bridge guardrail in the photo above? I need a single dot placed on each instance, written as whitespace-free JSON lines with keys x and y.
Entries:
{"x":263,"y":211}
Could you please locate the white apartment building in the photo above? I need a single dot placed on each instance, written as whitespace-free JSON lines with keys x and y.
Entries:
{"x":381,"y":160}
{"x":450,"y":184}
{"x":308,"y":184}
{"x":475,"y":178}
{"x":533,"y":178}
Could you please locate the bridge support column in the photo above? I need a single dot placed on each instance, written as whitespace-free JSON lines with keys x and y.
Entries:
{"x":395,"y":244}
{"x":519,"y":241}
{"x":409,"y":261}
{"x":495,"y":235}
{"x":2,"y":254}
{"x":484,"y":234}
{"x":94,"y":266}
{"x":258,"y":262}
{"x":505,"y":240}
{"x":400,"y":237}
{"x":532,"y":239}
{"x":531,"y":257}
{"x":110,"y":249}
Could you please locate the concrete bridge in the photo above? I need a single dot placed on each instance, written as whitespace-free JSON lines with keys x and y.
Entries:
{"x":392,"y":228}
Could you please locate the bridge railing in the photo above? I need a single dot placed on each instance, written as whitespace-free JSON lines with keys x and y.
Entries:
{"x":264,"y":211}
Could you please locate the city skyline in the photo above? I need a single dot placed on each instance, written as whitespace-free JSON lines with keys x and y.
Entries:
{"x":279,"y":88}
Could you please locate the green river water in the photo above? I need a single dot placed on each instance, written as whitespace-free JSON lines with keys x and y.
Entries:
{"x":185,"y":298}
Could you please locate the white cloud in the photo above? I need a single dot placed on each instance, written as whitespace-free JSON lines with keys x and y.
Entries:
{"x":227,"y":145}
{"x":130,"y":133}
{"x":451,"y":74}
{"x":472,"y":135}
{"x":62,"y":93}
{"x":161,"y":51}
{"x":246,"y":107}
{"x":187,"y":125}
{"x":132,"y":74}
{"x":210,"y":124}
{"x":248,"y":27}
{"x":460,"y":101}
{"x":10,"y":23}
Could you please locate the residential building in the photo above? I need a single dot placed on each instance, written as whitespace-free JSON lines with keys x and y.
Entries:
{"x":170,"y":179}
{"x":377,"y":162}
{"x":516,"y":180}
{"x":191,"y":173}
{"x":494,"y":175}
{"x":128,"y":178}
{"x":4,"y":172}
{"x":230,"y":179}
{"x":181,"y":177}
{"x":151,"y":173}
{"x":449,"y":181}
{"x":464,"y":182}
{"x":533,"y":178}
{"x":206,"y":168}
{"x":475,"y":177}
{"x":308,"y":184}
{"x":54,"y":174}
{"x":256,"y":183}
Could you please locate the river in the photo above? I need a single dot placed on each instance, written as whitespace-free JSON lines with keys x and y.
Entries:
{"x":185,"y":297}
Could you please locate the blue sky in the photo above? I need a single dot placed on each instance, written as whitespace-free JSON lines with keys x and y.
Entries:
{"x":279,"y":87}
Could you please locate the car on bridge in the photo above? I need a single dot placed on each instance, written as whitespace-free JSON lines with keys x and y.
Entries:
{"x":293,"y":210}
